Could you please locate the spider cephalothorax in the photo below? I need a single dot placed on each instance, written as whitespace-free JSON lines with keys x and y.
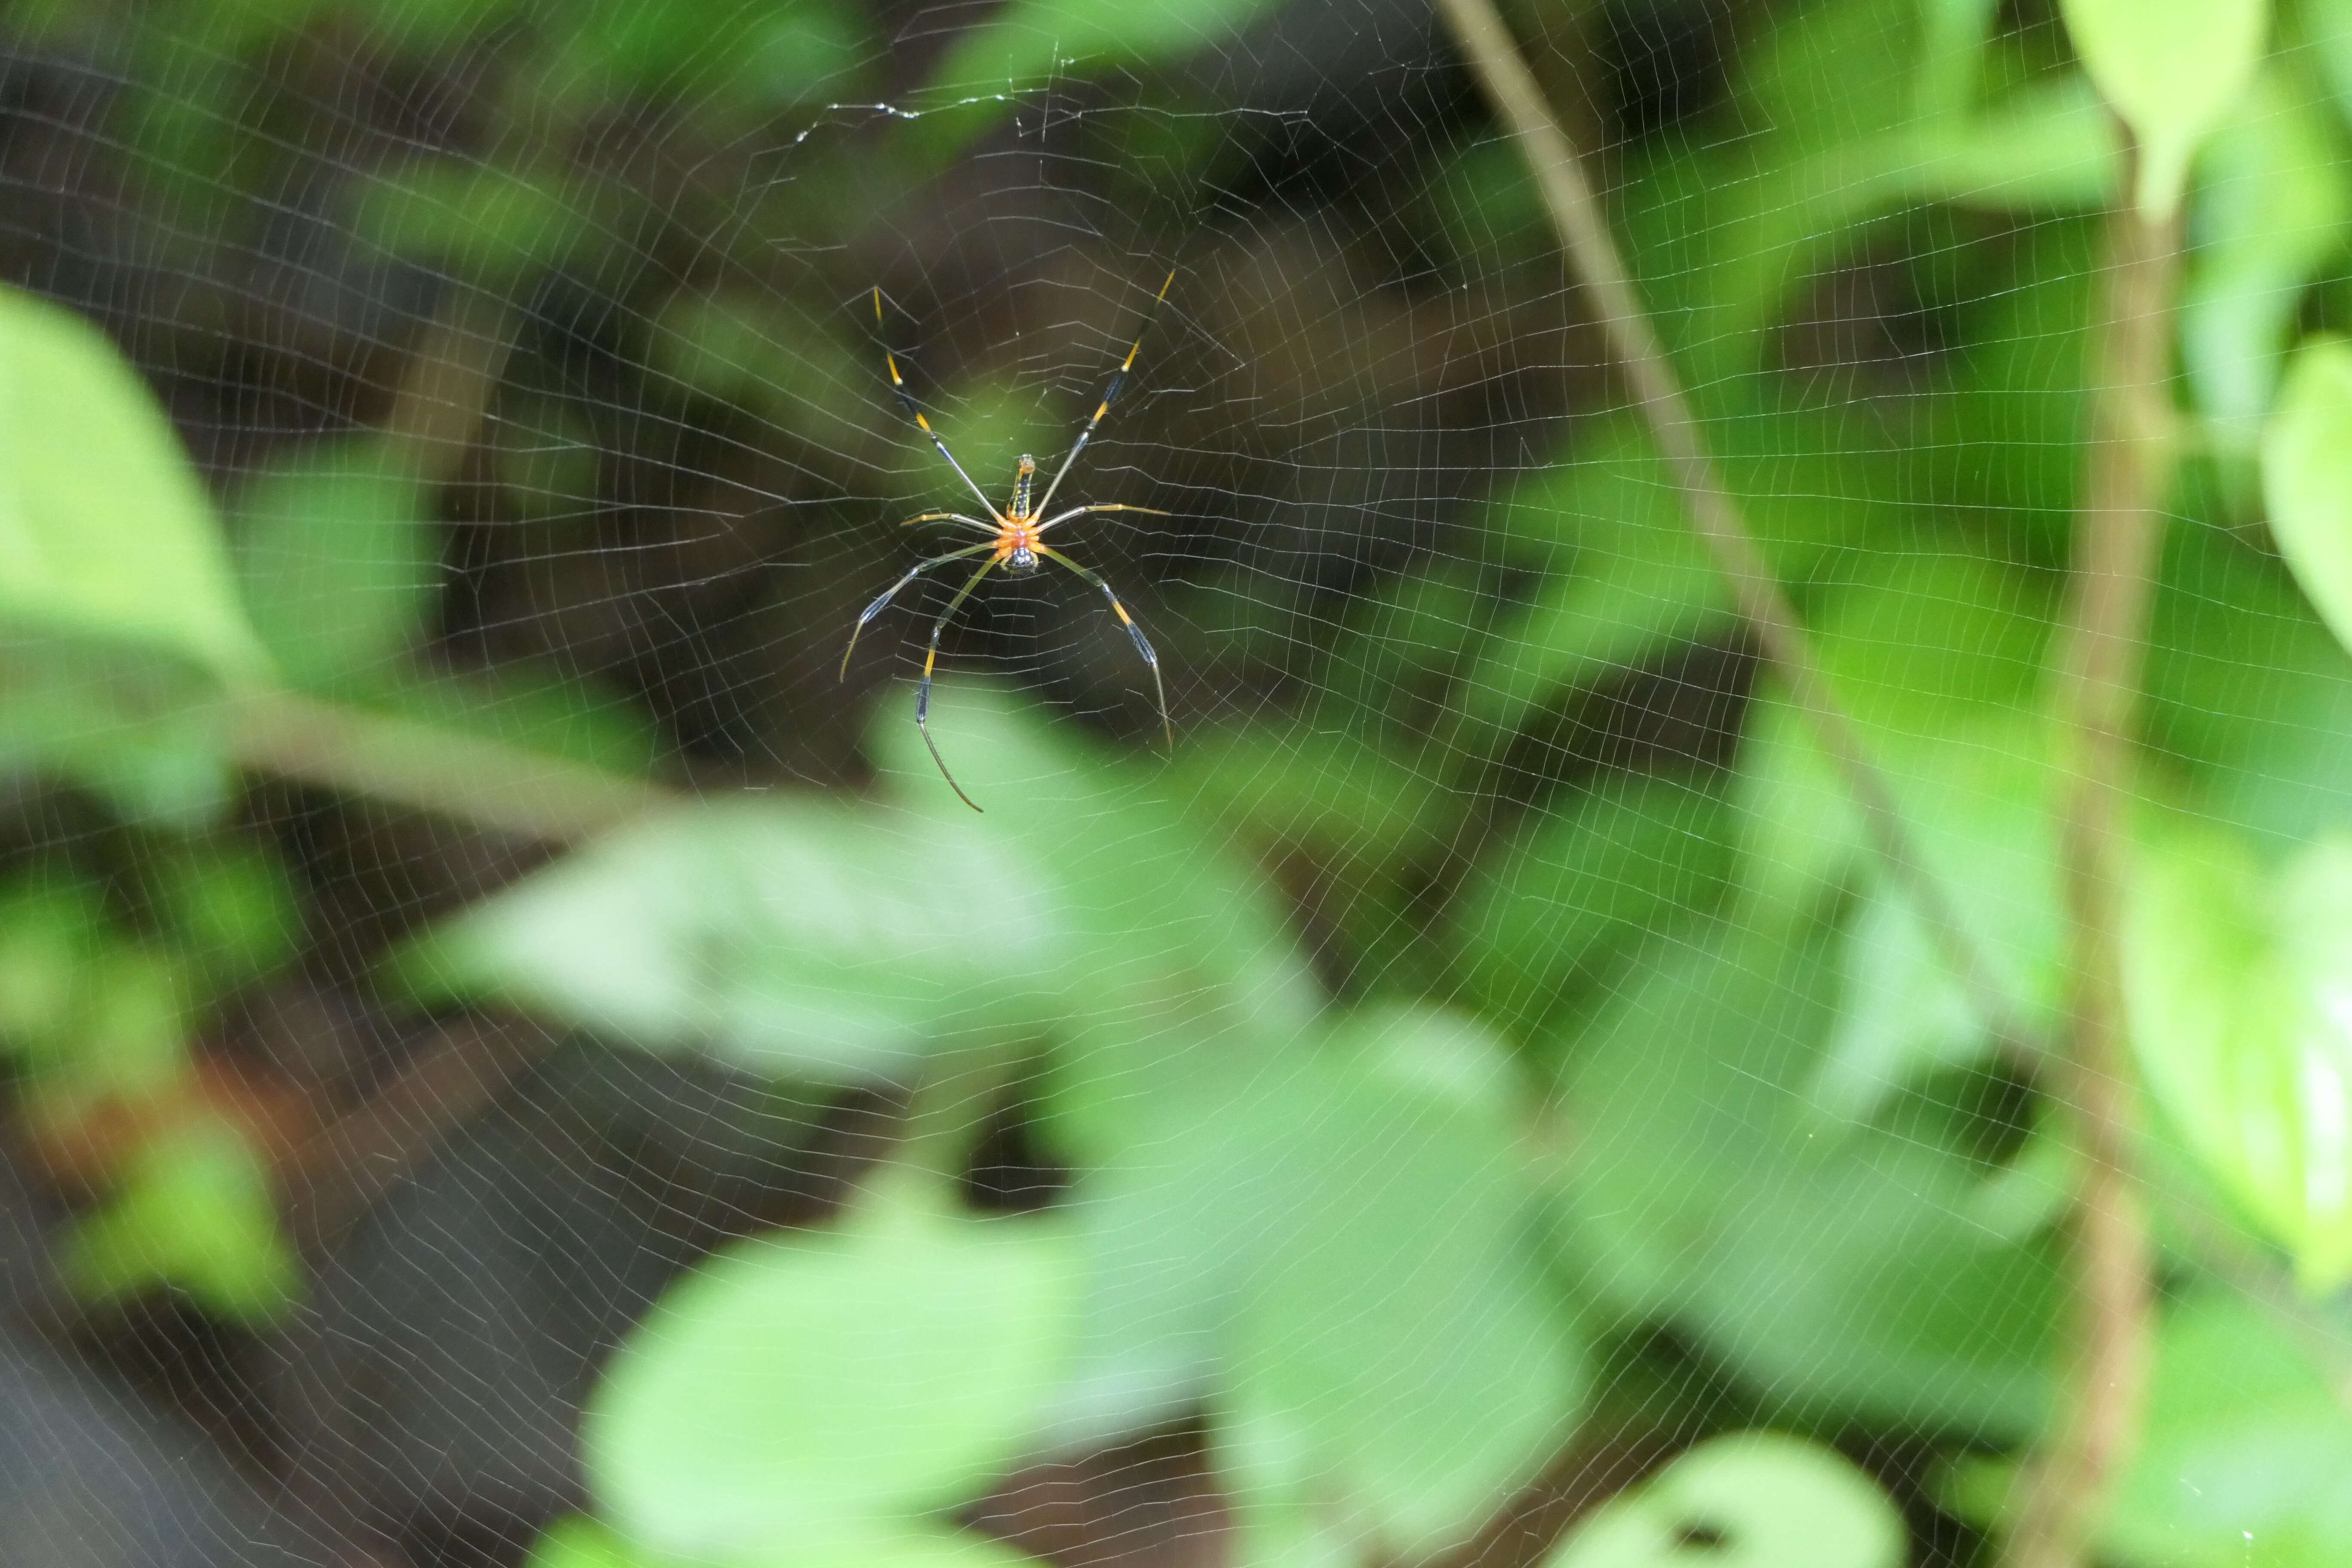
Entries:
{"x":1017,"y":540}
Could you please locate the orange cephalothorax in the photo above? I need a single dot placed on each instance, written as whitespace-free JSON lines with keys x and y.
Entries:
{"x":1016,"y":546}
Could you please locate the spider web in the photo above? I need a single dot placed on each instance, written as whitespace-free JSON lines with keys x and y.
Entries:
{"x":1455,"y":696}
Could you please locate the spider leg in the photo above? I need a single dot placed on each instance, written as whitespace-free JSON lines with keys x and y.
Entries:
{"x":923,"y":691}
{"x":883,"y":603}
{"x":1119,"y":378}
{"x":1100,"y":506}
{"x":990,"y":528}
{"x":915,"y":412}
{"x":1142,"y":645}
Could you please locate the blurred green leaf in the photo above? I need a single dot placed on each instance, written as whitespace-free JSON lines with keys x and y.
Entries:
{"x":795,"y":936}
{"x":487,"y":222}
{"x":2240,"y":1456}
{"x":338,"y":560}
{"x":748,"y":349}
{"x":2270,"y":211}
{"x":2173,"y":69}
{"x":1831,"y":1267}
{"x":2307,"y":477}
{"x":2240,"y":1023}
{"x":2046,"y":147}
{"x":819,"y":938}
{"x":800,"y":1391}
{"x":1626,"y":862}
{"x":531,"y":707}
{"x":196,"y":1212}
{"x":51,"y":931}
{"x":231,"y":910}
{"x":1029,"y":42}
{"x":1753,"y":1499}
{"x":105,"y":533}
{"x":711,"y":59}
{"x":578,"y":1542}
{"x":2250,"y":689}
{"x":1330,"y":1246}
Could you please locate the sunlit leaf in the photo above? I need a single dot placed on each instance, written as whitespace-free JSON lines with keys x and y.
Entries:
{"x":2307,"y":477}
{"x":2270,"y":211}
{"x":1754,"y":1499}
{"x":804,"y":1389}
{"x":2173,"y":69}
{"x":792,"y":935}
{"x":2242,"y":1025}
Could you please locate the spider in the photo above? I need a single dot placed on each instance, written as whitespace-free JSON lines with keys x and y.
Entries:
{"x":1016,"y":539}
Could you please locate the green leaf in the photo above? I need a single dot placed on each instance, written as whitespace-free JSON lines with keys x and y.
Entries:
{"x":2173,"y":69}
{"x":195,"y":1211}
{"x":2307,"y":477}
{"x":1027,"y":43}
{"x":339,"y":561}
{"x":1837,"y":1267}
{"x":805,"y":1389}
{"x":482,"y":221}
{"x":2270,"y":211}
{"x":104,"y":532}
{"x":1753,"y":1499}
{"x":2235,"y":983}
{"x":231,"y":910}
{"x":51,"y":931}
{"x":1330,"y":1246}
{"x":1627,"y":861}
{"x":795,"y":935}
{"x":2240,"y":1459}
{"x":531,"y":707}
{"x":578,"y":1542}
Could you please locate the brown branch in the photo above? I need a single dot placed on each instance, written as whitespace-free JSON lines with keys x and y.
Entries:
{"x":435,"y":769}
{"x":1714,"y":511}
{"x":2118,"y":532}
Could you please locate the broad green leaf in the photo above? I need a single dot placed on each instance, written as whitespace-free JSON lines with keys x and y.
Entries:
{"x":793,"y":935}
{"x":1624,"y":862}
{"x":531,"y":707}
{"x":1329,"y":1249}
{"x":749,"y":348}
{"x":1176,"y":952}
{"x":811,"y":1388}
{"x":1753,"y":1499}
{"x":2270,"y":211}
{"x":196,"y":1212}
{"x":339,"y":561}
{"x":1831,"y":1267}
{"x":2239,"y":1460}
{"x":105,"y":533}
{"x":2173,"y":69}
{"x":2242,"y":1028}
{"x":2041,"y":148}
{"x":709,"y":59}
{"x":2307,"y":477}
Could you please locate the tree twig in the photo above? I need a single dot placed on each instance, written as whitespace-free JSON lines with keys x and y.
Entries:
{"x":2118,"y":531}
{"x":1715,"y":513}
{"x":433,"y":768}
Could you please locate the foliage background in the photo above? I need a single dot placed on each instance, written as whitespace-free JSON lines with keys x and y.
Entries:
{"x":511,"y":1058}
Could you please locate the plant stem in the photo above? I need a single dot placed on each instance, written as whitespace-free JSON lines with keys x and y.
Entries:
{"x":435,"y":769}
{"x":1714,"y":511}
{"x":2118,"y":532}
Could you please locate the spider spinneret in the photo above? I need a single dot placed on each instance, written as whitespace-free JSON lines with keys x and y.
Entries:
{"x":1016,"y":539}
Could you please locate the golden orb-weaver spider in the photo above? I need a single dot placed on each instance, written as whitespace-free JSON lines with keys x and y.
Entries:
{"x":1016,"y":539}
